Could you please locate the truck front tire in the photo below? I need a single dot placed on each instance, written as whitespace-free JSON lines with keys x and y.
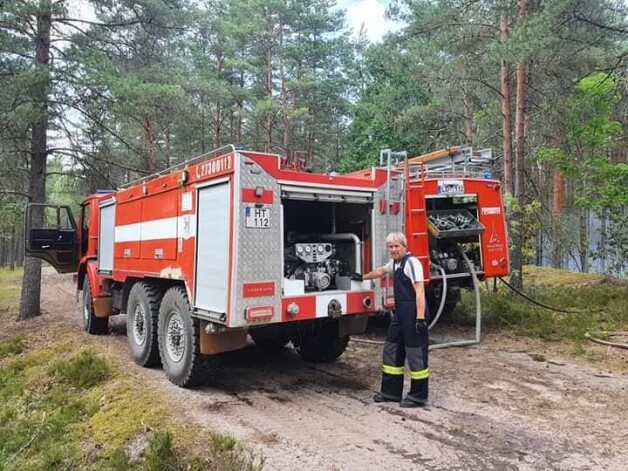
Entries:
{"x":92,"y":324}
{"x":142,"y":314}
{"x":179,"y":341}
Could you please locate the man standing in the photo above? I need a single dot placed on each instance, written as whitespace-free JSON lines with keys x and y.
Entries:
{"x":408,"y":333}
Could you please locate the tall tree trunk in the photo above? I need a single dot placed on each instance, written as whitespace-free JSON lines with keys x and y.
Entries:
{"x":284,"y":102}
{"x":151,"y":145}
{"x":268,"y":119}
{"x":240,"y":116}
{"x":520,"y":118}
{"x":30,"y":302}
{"x":468,"y":116}
{"x":13,"y":248}
{"x":584,"y":240}
{"x":504,"y":73}
{"x":557,"y":209}
{"x":218,"y":118}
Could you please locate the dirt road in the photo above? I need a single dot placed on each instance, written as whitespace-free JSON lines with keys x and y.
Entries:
{"x":493,"y":406}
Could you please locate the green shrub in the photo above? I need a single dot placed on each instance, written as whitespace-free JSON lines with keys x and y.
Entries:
{"x":85,"y":370}
{"x":15,"y":346}
{"x":591,"y":308}
{"x":160,"y":455}
{"x":221,"y":443}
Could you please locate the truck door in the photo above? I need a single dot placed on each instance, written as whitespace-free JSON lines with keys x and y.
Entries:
{"x":50,"y":233}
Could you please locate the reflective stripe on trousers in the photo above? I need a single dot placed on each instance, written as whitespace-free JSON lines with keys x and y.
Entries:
{"x":403,"y":342}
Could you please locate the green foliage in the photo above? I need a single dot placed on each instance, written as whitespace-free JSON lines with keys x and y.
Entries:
{"x":13,"y":346}
{"x":160,"y":455}
{"x":53,"y":402}
{"x":85,"y":370}
{"x":595,"y":304}
{"x":222,"y":443}
{"x":9,"y":289}
{"x":599,"y":182}
{"x":38,"y":416}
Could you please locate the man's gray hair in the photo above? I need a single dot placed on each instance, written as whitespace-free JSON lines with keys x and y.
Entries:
{"x":397,"y":237}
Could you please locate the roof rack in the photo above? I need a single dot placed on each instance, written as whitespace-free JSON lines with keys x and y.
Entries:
{"x":455,"y":161}
{"x":227,"y":149}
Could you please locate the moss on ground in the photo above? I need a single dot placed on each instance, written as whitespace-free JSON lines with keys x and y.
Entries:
{"x":66,"y":407}
{"x":10,"y":282}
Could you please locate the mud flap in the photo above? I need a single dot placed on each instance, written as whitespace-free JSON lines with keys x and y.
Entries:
{"x":102,"y":306}
{"x":221,"y":342}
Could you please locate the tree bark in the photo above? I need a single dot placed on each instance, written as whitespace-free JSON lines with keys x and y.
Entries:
{"x":151,"y":145}
{"x":504,"y":73}
{"x":268,"y":119}
{"x":518,"y":235}
{"x":284,"y":102}
{"x":30,"y":302}
{"x":468,"y":116}
{"x":584,"y":240}
{"x":12,"y":248}
{"x":218,"y":117}
{"x":557,"y":209}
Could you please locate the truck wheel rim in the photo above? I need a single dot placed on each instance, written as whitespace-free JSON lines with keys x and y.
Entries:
{"x":85,"y":309}
{"x":175,"y":338}
{"x":139,"y":325}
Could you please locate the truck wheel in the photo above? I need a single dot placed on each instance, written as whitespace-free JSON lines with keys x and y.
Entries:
{"x":321,"y":343}
{"x":270,"y":344}
{"x":92,"y":324}
{"x":142,"y":314}
{"x":179,"y":341}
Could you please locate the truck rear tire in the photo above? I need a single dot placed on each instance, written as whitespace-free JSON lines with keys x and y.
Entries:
{"x":321,"y":343}
{"x":270,"y":344}
{"x":92,"y":324}
{"x":142,"y":316}
{"x":179,"y":341}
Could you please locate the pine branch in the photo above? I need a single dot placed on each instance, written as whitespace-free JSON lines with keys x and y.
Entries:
{"x":614,"y":29}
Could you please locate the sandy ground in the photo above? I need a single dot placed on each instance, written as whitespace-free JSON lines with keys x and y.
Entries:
{"x":504,"y":404}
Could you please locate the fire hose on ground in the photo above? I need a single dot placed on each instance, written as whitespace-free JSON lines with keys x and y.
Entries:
{"x":587,"y":335}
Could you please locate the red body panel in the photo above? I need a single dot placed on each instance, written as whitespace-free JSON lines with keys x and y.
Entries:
{"x":491,"y":214}
{"x":155,"y":230}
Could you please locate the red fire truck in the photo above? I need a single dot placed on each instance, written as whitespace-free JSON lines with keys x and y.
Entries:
{"x":235,"y":243}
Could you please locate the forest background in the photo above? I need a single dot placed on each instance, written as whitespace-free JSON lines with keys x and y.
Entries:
{"x":91,"y":103}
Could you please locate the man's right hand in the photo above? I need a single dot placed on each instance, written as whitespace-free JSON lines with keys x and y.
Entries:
{"x":421,"y":327}
{"x":356,"y":277}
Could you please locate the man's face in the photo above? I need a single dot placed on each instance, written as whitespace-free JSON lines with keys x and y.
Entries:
{"x":396,"y":250}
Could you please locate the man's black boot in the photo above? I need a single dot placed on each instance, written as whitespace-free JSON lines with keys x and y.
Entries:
{"x":379,"y":398}
{"x":407,"y":403}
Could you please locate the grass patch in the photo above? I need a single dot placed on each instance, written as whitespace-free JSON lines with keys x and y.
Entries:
{"x":65,"y":407}
{"x":85,"y":370}
{"x":12,"y":346}
{"x":595,"y":303}
{"x":10,"y":285}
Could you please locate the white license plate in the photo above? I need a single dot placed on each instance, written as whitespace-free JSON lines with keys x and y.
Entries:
{"x":451,"y":186}
{"x":257,"y":217}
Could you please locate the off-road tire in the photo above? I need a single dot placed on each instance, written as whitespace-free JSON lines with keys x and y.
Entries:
{"x":179,"y":341}
{"x":321,"y":343}
{"x":92,"y":324}
{"x":142,"y":316}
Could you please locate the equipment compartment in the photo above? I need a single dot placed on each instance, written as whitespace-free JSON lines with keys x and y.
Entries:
{"x":449,"y":223}
{"x":323,"y":244}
